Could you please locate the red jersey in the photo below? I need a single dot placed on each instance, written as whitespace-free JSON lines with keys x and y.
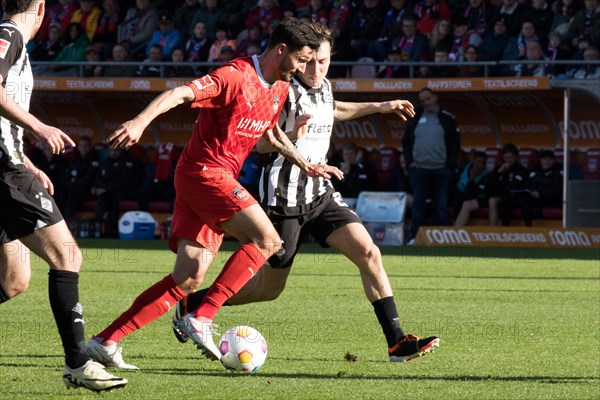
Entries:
{"x":236,"y":107}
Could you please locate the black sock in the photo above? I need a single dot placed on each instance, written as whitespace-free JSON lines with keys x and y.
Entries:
{"x":387,"y":315}
{"x":195,"y":299}
{"x":3,"y":296}
{"x":63,"y":290}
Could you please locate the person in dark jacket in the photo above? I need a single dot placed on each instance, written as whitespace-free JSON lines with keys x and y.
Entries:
{"x":80,"y":177}
{"x":113,"y":184}
{"x":431,"y":145}
{"x":358,"y":176}
{"x":546,"y":182}
{"x":509,"y":189}
{"x":472,"y":188}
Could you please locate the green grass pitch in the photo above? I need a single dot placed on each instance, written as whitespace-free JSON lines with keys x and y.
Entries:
{"x":513,"y":323}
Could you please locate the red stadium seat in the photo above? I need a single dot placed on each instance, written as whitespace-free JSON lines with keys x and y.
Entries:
{"x":591,"y":165}
{"x":159,"y":206}
{"x":528,"y":157}
{"x":494,"y":157}
{"x":384,"y":165}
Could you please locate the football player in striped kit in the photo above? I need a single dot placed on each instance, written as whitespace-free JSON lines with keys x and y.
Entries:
{"x":298,"y":204}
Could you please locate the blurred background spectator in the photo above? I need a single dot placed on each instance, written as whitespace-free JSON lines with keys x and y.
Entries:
{"x":472,"y":191}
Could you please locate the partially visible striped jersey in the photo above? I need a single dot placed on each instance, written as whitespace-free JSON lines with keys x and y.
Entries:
{"x":282,"y":183}
{"x":17,"y":80}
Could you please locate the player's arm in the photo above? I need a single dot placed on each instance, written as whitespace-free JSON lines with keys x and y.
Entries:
{"x":281,"y":143}
{"x":10,"y":110}
{"x":345,"y":111}
{"x":130,"y":132}
{"x":296,"y":133}
{"x":39,"y":175}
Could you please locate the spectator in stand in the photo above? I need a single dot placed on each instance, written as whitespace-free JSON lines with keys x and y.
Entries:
{"x":557,"y":51}
{"x":586,"y":23}
{"x":254,"y":38}
{"x":392,"y":26}
{"x":588,"y":71}
{"x":440,"y":37}
{"x":342,"y":51}
{"x":213,"y":16}
{"x":472,"y":189}
{"x":443,"y":68}
{"x":198,"y":46}
{"x":47,"y":50}
{"x":471,"y":71}
{"x":264,"y":13}
{"x":93,"y":56}
{"x":533,"y":52}
{"x":108,"y":25}
{"x":58,"y":13}
{"x":392,"y":71}
{"x":358,"y":176}
{"x":221,"y":40}
{"x":412,"y":45}
{"x":541,"y":15}
{"x":479,"y":15}
{"x":137,"y":28}
{"x":162,"y":188}
{"x":75,"y":44}
{"x":546,"y":183}
{"x":340,"y":11}
{"x":149,"y":69}
{"x":120,"y":53}
{"x":317,"y":12}
{"x":512,"y":12}
{"x":508,"y":185}
{"x":184,"y":17}
{"x":498,"y":46}
{"x":527,"y":34}
{"x":462,"y":39}
{"x":564,"y":11}
{"x":364,"y":28}
{"x":79,"y":179}
{"x":87,"y":16}
{"x":227,"y":54}
{"x":400,"y":181}
{"x":429,"y":12}
{"x":113,"y":184}
{"x":431,"y":145}
{"x":167,"y":36}
{"x":179,"y":71}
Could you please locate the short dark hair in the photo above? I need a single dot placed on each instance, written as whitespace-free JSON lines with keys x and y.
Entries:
{"x":16,"y":6}
{"x":547,"y":154}
{"x":323,"y":32}
{"x":510,"y":148}
{"x":480,"y":154}
{"x":295,"y":34}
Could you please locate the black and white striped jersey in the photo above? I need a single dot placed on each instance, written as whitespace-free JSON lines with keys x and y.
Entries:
{"x":17,"y":80}
{"x":281,"y":182}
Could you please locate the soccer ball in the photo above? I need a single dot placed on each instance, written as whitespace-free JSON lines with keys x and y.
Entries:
{"x":243,"y":349}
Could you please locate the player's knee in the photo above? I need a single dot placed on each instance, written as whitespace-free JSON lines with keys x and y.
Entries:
{"x":15,"y":288}
{"x":270,"y":245}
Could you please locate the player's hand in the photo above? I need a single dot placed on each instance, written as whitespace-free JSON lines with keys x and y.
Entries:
{"x":323,"y":171}
{"x":126,"y":135}
{"x":403,"y":108}
{"x":54,"y":138}
{"x":44,"y":180}
{"x":301,"y":126}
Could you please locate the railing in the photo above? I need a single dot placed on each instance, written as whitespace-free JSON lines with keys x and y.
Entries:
{"x":79,"y":67}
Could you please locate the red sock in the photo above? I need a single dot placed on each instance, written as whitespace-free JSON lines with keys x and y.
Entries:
{"x":151,"y":304}
{"x":238,"y":270}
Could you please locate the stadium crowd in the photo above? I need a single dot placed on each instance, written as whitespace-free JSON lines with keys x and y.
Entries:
{"x":368,"y":30}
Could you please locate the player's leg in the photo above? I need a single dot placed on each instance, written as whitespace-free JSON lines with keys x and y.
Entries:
{"x":493,"y":210}
{"x":467,"y":207}
{"x":15,"y":271}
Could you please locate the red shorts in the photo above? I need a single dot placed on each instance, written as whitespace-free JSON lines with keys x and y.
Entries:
{"x":204,"y":199}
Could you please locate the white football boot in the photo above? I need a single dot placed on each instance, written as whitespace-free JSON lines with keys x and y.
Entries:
{"x":109,"y":356}
{"x":92,"y":376}
{"x":201,"y":334}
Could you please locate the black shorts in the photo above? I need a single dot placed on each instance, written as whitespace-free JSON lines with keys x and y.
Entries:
{"x":25,"y":206}
{"x":318,"y":218}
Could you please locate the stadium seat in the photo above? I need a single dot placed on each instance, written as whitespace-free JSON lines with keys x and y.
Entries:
{"x":159,"y":206}
{"x":528,"y":157}
{"x":494,"y":158}
{"x":363,"y":71}
{"x":384,"y":165}
{"x":591,"y":165}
